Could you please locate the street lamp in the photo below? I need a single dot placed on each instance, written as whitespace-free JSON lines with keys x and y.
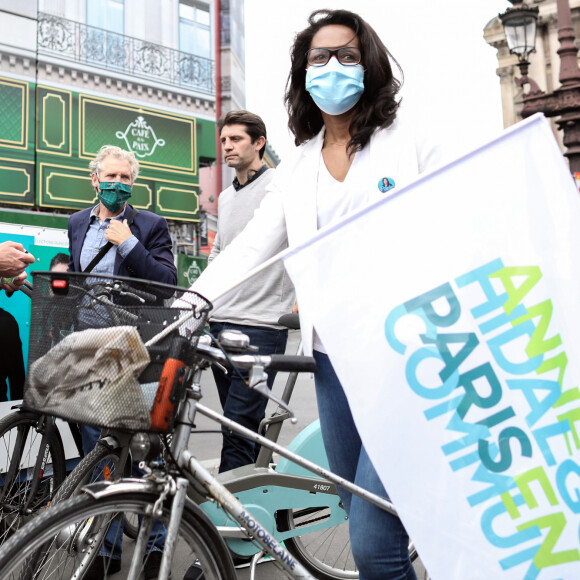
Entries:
{"x":519,"y":24}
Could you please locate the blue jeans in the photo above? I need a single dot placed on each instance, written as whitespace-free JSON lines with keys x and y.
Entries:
{"x":113,"y":545}
{"x":239,"y":403}
{"x":378,"y":539}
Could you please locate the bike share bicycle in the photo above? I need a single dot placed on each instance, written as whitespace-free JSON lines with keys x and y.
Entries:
{"x":302,"y":510}
{"x":65,"y":539}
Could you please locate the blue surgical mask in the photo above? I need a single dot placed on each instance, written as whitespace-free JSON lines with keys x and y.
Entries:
{"x":114,"y":194}
{"x":334,"y":87}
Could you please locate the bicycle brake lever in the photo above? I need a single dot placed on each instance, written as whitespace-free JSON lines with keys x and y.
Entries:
{"x":131,"y":295}
{"x":221,"y":367}
{"x":258,"y":382}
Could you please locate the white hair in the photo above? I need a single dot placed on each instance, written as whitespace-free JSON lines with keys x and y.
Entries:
{"x":96,"y":165}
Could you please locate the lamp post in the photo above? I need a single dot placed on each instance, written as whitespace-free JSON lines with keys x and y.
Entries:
{"x":520,"y":27}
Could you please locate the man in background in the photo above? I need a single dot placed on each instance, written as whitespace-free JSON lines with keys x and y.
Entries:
{"x":59,"y":262}
{"x":255,"y":307}
{"x":138,"y":245}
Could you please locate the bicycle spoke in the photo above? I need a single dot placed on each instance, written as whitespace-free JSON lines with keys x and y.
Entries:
{"x":26,"y":475}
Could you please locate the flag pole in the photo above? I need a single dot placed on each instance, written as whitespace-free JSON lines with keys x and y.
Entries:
{"x":250,"y":274}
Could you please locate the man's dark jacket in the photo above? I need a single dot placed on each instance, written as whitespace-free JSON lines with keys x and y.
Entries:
{"x":150,"y":259}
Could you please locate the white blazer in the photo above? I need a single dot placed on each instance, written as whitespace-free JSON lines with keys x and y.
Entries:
{"x":289,"y":211}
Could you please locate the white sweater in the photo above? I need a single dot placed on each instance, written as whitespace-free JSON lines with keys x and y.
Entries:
{"x":264,"y":298}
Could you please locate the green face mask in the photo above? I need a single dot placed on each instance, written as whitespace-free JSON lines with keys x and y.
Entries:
{"x":113,"y":194}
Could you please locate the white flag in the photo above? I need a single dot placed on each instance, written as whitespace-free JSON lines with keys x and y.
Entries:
{"x":450,"y":312}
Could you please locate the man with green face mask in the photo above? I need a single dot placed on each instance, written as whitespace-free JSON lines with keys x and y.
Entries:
{"x":141,"y":245}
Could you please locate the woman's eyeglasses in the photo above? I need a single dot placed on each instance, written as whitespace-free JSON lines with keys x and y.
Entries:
{"x":347,"y":55}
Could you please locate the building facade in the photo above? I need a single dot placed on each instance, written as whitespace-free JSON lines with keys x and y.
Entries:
{"x":148,"y":75}
{"x":151,"y":76}
{"x":544,"y":63}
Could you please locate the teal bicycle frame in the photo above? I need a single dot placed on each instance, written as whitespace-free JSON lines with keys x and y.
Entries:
{"x":264,"y":491}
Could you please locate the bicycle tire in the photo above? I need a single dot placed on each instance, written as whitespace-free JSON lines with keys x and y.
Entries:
{"x":102,"y":463}
{"x":326,"y":553}
{"x":14,"y":495}
{"x":66,"y":538}
{"x":102,"y":460}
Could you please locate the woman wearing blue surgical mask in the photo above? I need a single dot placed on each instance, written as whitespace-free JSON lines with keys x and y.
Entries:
{"x":352,"y":149}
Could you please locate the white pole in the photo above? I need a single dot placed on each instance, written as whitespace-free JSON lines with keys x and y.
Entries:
{"x":179,"y":322}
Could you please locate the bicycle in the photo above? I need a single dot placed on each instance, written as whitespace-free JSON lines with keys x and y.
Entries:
{"x":314,"y":531}
{"x":72,"y":532}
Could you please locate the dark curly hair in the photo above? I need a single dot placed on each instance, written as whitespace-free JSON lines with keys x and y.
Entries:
{"x":378,"y":104}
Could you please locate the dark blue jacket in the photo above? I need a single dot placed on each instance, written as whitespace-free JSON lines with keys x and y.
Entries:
{"x":150,"y":259}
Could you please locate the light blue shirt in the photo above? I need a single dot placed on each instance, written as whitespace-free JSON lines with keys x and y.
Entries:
{"x":95,"y":240}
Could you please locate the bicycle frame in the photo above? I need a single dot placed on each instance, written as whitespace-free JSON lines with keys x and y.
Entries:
{"x":265,"y":491}
{"x":377,"y":500}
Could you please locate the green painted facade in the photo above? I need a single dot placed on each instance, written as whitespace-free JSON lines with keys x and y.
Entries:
{"x":49,"y":135}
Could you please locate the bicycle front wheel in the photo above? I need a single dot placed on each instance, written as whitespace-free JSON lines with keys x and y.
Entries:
{"x":32,"y":466}
{"x":63,"y":542}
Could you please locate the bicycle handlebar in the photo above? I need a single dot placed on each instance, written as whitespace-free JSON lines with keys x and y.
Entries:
{"x":292,"y":363}
{"x":122,"y":289}
{"x":277,"y":362}
{"x":126,"y":290}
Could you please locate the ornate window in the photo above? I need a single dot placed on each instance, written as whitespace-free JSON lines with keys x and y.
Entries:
{"x":107,"y":14}
{"x":103,"y":41}
{"x":194,"y":28}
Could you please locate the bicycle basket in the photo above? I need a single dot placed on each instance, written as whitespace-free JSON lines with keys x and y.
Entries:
{"x":88,"y":362}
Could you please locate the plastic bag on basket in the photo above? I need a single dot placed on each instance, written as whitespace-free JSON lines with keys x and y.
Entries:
{"x":91,"y":377}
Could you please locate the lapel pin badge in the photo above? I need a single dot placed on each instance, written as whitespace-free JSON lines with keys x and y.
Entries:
{"x":386,"y":183}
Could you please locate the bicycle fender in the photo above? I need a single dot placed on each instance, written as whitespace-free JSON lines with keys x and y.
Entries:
{"x":105,"y":488}
{"x":102,"y":489}
{"x":308,"y":444}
